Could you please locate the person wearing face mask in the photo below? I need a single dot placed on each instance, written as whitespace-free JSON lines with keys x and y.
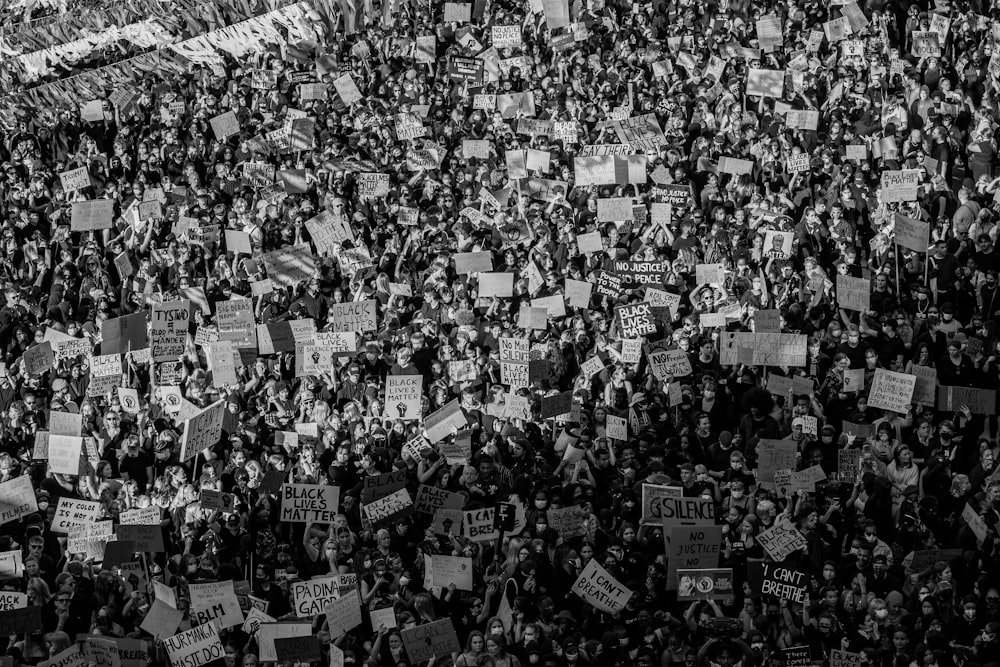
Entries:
{"x":968,"y":626}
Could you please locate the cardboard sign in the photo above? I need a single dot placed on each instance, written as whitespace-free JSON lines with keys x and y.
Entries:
{"x":713,"y":584}
{"x":767,"y":348}
{"x":446,"y":570}
{"x":344,"y":614}
{"x":891,"y":391}
{"x":652,"y":502}
{"x":203,"y":430}
{"x":686,"y":512}
{"x":402,"y":397}
{"x":437,"y":425}
{"x":353,"y":316}
{"x":195,"y":647}
{"x":169,"y":324}
{"x":568,"y":522}
{"x":92,"y":215}
{"x":839,"y":658}
{"x":596,"y":586}
{"x":635,"y":320}
{"x":765,"y":83}
{"x":39,"y":358}
{"x":17,"y":499}
{"x":302,"y":503}
{"x":313,"y":597}
{"x":668,"y":364}
{"x":910,"y":233}
{"x":782,"y":539}
{"x":298,"y":650}
{"x":925,"y":389}
{"x":688,"y":547}
{"x":853,"y":293}
{"x":479,"y":525}
{"x":389,"y":508}
{"x":430,"y":499}
{"x":64,"y":454}
{"x":430,"y":640}
{"x":74,"y":514}
{"x":215,"y":603}
{"x":979,"y":401}
{"x":899,"y":186}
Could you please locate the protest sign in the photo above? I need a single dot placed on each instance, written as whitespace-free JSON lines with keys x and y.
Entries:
{"x":479,"y":526}
{"x":924,"y":390}
{"x":73,"y":514}
{"x":438,"y":424}
{"x":910,"y":233}
{"x":203,"y":430}
{"x":402,"y":396}
{"x":430,"y":640}
{"x":311,"y":598}
{"x":390,"y":507}
{"x":685,"y":512}
{"x":17,"y":499}
{"x":669,"y":364}
{"x":353,"y":316}
{"x":87,"y":216}
{"x":343,"y":613}
{"x":635,"y":320}
{"x":298,"y":650}
{"x":979,"y":401}
{"x":853,"y":293}
{"x":215,"y":603}
{"x":290,"y":266}
{"x":891,"y":391}
{"x":431,"y":498}
{"x":765,"y":83}
{"x":64,"y":454}
{"x":652,"y":501}
{"x":782,"y":539}
{"x":704,"y":584}
{"x":195,"y":647}
{"x":446,"y":570}
{"x":39,"y":358}
{"x":688,"y":547}
{"x":768,"y":349}
{"x":840,"y":658}
{"x":304,"y":503}
{"x":899,"y":186}
{"x":597,"y":587}
{"x":376,"y":486}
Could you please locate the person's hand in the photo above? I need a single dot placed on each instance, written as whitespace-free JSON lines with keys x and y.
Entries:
{"x":966,"y":412}
{"x":861,"y":580}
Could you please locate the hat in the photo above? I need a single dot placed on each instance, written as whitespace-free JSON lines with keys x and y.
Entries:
{"x":687,"y":466}
{"x":828,"y":429}
{"x":637,"y":398}
{"x":798,"y":421}
{"x":880,"y":559}
{"x":532,"y":648}
{"x":59,"y":384}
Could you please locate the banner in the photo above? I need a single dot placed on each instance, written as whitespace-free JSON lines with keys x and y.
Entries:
{"x":600,"y":589}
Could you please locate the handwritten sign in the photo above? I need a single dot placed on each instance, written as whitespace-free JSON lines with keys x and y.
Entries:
{"x":891,"y":391}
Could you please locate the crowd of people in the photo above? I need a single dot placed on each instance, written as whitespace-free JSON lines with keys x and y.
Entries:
{"x":452,"y":334}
